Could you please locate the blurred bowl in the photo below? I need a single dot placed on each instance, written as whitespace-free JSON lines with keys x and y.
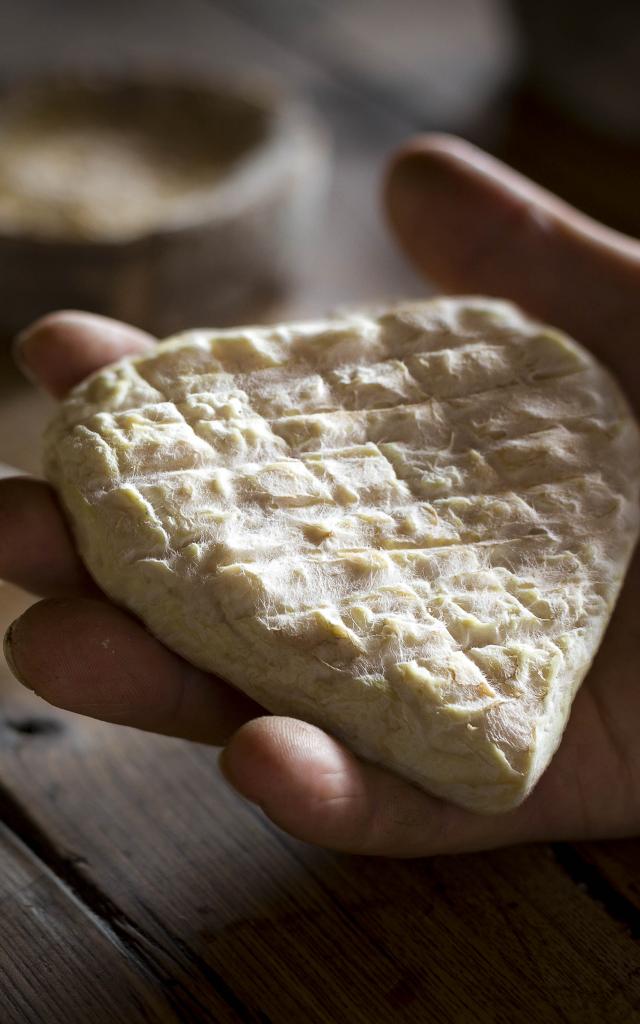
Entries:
{"x":166,"y":203}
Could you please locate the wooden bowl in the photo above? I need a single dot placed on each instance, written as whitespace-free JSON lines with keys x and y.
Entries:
{"x":85,"y":224}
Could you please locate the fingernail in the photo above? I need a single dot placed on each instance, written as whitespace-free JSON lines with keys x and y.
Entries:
{"x":7,"y":647}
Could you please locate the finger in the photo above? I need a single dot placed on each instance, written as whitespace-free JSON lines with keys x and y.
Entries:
{"x":89,"y":657}
{"x":36,"y":548}
{"x":314,"y":788}
{"x":61,"y":349}
{"x":472,"y":224}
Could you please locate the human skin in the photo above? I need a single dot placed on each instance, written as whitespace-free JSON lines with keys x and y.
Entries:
{"x":470,"y":225}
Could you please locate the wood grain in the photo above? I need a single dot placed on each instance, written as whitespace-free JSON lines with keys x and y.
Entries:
{"x":59,"y":961}
{"x":207,"y":887}
{"x":611,"y":872}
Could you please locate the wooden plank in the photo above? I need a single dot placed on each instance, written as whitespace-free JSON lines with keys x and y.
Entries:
{"x":72,"y":926}
{"x":520,"y":920}
{"x":59,"y":963}
{"x":294,"y":932}
{"x":611,"y":872}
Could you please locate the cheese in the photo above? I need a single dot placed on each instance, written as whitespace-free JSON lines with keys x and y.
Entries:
{"x":408,"y":527}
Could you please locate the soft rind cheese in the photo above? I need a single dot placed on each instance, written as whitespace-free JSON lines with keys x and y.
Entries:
{"x":408,"y":527}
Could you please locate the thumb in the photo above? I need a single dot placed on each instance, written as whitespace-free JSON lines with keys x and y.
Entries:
{"x":471,"y":224}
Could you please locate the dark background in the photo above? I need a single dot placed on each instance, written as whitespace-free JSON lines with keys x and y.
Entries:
{"x":553,"y":87}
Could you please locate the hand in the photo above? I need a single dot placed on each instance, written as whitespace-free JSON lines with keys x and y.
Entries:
{"x":470,"y":225}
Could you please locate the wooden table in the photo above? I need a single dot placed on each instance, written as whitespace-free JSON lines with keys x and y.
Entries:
{"x":134,"y":886}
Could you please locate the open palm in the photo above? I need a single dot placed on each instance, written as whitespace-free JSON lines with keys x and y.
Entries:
{"x":471,"y":225}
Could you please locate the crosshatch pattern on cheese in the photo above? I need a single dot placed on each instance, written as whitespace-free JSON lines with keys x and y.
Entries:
{"x":407,"y":526}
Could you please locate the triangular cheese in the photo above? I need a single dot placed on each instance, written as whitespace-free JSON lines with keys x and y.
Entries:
{"x":407,"y":527}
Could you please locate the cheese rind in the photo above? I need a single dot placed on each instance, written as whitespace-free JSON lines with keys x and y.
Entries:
{"x":409,"y":528}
